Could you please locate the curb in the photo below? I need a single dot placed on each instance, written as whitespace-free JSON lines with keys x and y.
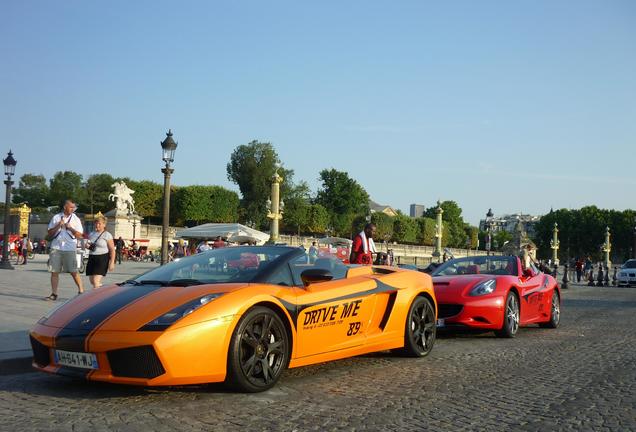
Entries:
{"x":17,"y":365}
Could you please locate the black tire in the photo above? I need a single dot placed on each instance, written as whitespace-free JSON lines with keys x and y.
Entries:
{"x":259,"y":351}
{"x":420,"y":329}
{"x":555,"y":312}
{"x":510,"y":324}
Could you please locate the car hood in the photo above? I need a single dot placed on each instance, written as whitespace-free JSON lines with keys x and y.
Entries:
{"x":128,"y":307}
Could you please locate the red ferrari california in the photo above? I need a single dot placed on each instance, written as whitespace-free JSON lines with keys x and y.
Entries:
{"x":495,"y":293}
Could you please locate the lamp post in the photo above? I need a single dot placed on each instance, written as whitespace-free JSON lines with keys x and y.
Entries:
{"x":133,"y":217}
{"x":275,"y":207}
{"x":9,"y":170}
{"x":488,"y":224}
{"x":438,"y":231}
{"x":607,"y":247}
{"x":554,"y":244}
{"x":168,"y":146}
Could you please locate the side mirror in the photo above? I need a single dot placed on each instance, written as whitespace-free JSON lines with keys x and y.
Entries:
{"x":315,"y":275}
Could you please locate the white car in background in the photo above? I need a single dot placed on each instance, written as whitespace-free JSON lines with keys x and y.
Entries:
{"x":627,"y":274}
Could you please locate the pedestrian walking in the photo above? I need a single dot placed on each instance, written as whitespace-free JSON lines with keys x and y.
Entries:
{"x":101,"y":255}
{"x":120,"y":244}
{"x":313,"y":253}
{"x":579,"y":269}
{"x":63,"y":231}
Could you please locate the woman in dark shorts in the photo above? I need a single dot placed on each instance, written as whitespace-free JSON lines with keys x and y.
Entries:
{"x":101,"y":256}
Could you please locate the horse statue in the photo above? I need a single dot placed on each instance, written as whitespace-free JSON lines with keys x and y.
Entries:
{"x":122,"y":197}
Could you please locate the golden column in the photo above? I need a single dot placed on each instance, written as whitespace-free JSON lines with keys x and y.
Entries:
{"x":607,"y":247}
{"x":554,"y":244}
{"x":275,"y":207}
{"x":438,"y":232}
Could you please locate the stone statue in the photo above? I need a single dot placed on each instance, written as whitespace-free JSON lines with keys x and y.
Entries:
{"x":123,"y":197}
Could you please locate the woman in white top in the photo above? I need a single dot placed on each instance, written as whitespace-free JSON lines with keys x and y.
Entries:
{"x":101,"y":256}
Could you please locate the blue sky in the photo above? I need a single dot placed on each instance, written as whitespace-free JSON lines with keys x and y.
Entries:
{"x":519,"y":106}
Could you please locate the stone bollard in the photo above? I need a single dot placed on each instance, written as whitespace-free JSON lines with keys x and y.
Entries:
{"x":600,"y":278}
{"x":555,"y":272}
{"x":590,"y":277}
{"x":566,"y":278}
{"x":607,"y":279}
{"x":614,"y":279}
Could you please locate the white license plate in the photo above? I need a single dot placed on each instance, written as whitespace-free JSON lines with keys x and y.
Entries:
{"x":76,"y":359}
{"x":440,"y":322}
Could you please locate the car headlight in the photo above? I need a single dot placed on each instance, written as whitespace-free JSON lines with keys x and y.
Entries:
{"x":169,"y":318}
{"x":485,"y":287}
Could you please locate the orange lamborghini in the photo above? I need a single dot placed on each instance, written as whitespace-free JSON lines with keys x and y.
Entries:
{"x":236,"y":315}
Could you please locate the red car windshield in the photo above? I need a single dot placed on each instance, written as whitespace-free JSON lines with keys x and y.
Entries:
{"x":490,"y":265}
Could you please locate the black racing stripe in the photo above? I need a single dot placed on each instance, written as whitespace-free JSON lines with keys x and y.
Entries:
{"x":295,"y":310}
{"x":73,"y":336}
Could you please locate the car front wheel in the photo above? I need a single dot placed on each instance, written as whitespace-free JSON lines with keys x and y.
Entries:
{"x":420,"y":329}
{"x":511,"y":317}
{"x":259,"y":351}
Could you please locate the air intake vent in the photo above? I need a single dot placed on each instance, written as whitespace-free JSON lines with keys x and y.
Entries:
{"x":135,"y":362}
{"x":41,"y":354}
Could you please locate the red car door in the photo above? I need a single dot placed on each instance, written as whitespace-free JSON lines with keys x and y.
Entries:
{"x":531,"y":295}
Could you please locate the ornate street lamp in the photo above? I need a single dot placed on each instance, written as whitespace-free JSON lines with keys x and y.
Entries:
{"x":607,"y":248}
{"x":438,"y":232}
{"x":554,"y":244}
{"x":9,"y":170}
{"x":168,"y":146}
{"x":488,"y":223}
{"x":275,"y":207}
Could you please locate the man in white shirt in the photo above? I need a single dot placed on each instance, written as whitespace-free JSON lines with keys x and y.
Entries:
{"x":65,"y":229}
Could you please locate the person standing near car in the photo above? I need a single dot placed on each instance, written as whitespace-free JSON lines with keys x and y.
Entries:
{"x":363,"y":246}
{"x":101,"y":257}
{"x":63,"y":231}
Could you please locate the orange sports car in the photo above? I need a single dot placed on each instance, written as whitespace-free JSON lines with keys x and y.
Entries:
{"x":201,"y":320}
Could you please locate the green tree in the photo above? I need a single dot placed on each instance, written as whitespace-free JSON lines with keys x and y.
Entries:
{"x":472,"y":236}
{"x":426,"y":231}
{"x":96,"y":191}
{"x":66,"y":185}
{"x":251,"y":167}
{"x":384,"y":225}
{"x":148,"y":198}
{"x":317,"y":219}
{"x":202,"y":204}
{"x":297,"y":204}
{"x":343,"y":198}
{"x":33,"y":190}
{"x":404,"y":229}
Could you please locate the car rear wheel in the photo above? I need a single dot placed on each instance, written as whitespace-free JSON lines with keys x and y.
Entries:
{"x":511,"y":317}
{"x":420,"y":329}
{"x":555,"y":312}
{"x":259,"y":351}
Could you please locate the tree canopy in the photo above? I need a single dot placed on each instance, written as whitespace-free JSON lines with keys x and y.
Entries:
{"x":343,"y":198}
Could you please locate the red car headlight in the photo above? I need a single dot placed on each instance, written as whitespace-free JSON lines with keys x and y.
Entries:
{"x":483,"y":288}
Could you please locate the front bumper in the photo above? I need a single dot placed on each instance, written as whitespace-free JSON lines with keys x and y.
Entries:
{"x":477,"y":312}
{"x":626,"y":279}
{"x":189,"y":355}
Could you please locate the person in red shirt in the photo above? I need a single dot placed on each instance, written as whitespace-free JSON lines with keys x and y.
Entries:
{"x":363,"y":246}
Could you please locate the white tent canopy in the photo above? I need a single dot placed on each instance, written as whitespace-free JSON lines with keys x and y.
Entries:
{"x":230,"y":231}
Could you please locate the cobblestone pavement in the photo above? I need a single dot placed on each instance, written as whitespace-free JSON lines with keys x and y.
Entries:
{"x":581,"y":376}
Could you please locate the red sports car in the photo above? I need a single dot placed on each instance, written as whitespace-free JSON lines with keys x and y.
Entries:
{"x":495,"y":293}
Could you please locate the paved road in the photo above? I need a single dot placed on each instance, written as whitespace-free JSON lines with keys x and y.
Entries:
{"x":581,"y":376}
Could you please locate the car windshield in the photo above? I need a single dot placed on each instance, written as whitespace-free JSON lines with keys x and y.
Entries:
{"x":630,"y":264}
{"x":224,"y":265}
{"x":492,"y":265}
